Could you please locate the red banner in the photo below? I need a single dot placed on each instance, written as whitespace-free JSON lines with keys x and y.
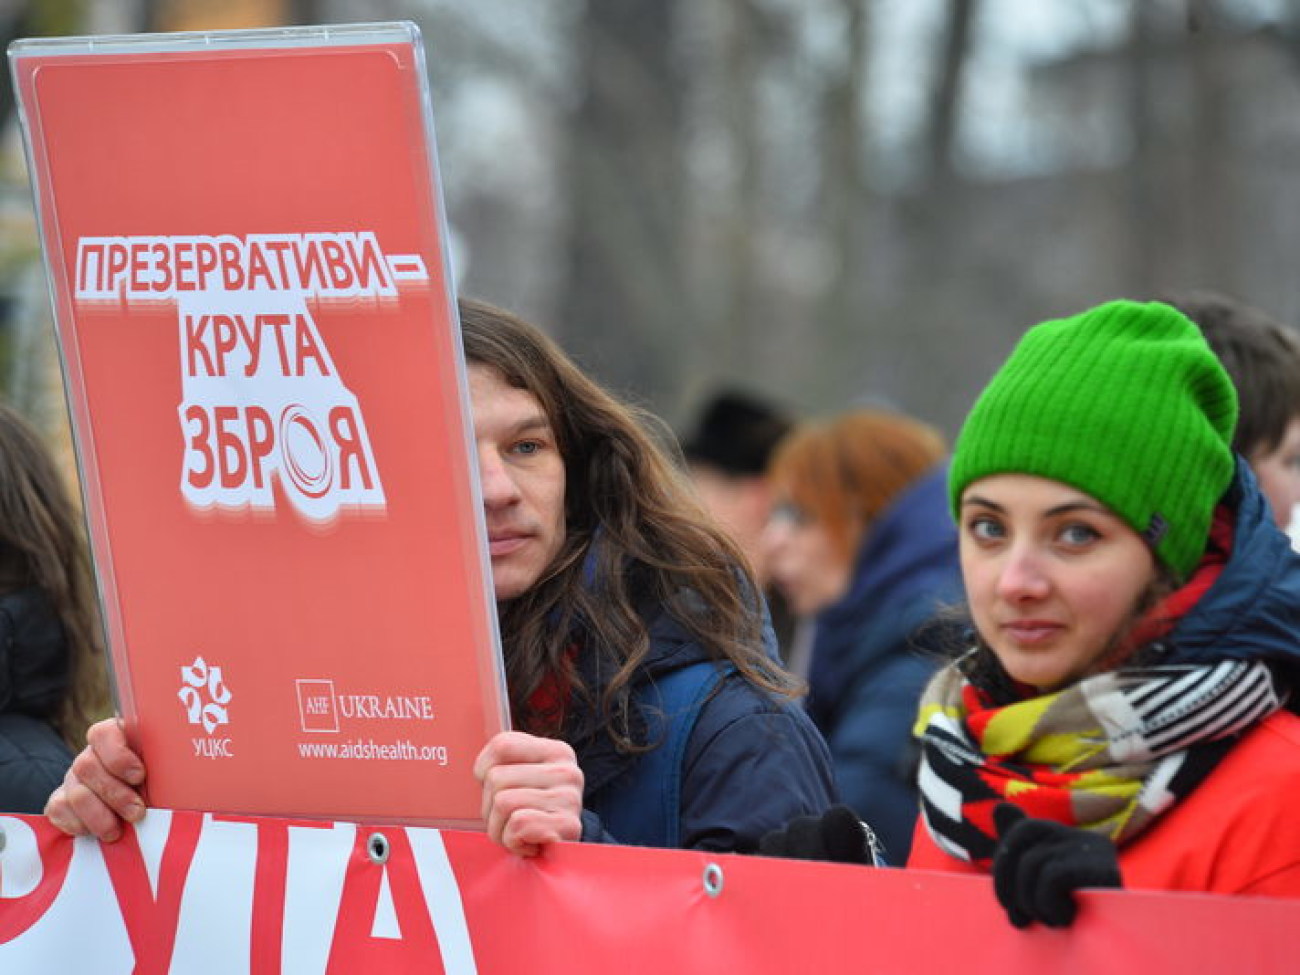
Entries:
{"x":194,"y":892}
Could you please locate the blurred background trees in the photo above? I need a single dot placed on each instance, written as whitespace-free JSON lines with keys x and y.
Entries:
{"x":826,"y":200}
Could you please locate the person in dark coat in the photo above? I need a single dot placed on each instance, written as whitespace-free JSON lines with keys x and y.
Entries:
{"x":862,"y":545}
{"x":727,"y":453}
{"x":52,"y":672}
{"x":649,"y":703}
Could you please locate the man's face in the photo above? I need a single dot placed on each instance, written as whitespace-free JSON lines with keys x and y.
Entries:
{"x":739,"y":503}
{"x":522,"y":476}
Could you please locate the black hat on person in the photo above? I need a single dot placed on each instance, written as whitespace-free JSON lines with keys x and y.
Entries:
{"x":736,"y":433}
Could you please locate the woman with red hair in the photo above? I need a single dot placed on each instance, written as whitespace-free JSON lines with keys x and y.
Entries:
{"x":861,"y":545}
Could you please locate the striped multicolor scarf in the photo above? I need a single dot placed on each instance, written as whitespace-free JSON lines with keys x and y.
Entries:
{"x":1109,"y":754}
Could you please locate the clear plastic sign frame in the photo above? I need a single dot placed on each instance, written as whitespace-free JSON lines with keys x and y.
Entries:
{"x":247,"y":256}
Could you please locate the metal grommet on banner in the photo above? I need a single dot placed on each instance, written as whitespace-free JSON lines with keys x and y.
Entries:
{"x":713,"y":880}
{"x":377,"y":847}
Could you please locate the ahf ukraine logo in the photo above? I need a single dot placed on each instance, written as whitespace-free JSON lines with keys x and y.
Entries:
{"x":317,"y":705}
{"x":205,"y":697}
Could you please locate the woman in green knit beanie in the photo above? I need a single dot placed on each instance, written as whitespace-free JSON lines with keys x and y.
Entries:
{"x":1120,"y":717}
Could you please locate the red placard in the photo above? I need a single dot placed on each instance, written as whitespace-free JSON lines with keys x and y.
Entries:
{"x":245,"y":242}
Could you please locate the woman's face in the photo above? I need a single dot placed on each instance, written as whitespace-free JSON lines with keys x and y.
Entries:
{"x":803,"y":560}
{"x":1054,"y":578}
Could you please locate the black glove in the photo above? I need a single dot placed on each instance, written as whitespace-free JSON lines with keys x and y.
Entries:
{"x":837,"y":835}
{"x":1039,"y":864}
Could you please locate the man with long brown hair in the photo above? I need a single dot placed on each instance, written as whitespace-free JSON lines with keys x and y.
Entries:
{"x":649,"y":704}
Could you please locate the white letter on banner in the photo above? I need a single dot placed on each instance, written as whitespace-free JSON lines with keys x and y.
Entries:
{"x":442,"y":894}
{"x":313,"y":890}
{"x":213,"y":932}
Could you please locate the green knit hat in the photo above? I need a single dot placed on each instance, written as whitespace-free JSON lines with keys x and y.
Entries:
{"x":1124,"y":402}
